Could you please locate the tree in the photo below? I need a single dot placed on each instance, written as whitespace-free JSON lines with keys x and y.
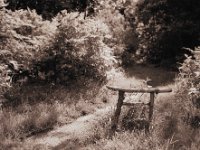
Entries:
{"x":50,"y":8}
{"x":164,"y":27}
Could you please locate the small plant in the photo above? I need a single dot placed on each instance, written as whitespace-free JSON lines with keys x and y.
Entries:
{"x":189,"y":86}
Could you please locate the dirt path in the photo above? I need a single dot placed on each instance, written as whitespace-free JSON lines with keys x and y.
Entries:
{"x":83,"y":127}
{"x":80,"y":129}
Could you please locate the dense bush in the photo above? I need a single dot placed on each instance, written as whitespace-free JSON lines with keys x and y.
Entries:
{"x":78,"y":50}
{"x":23,"y":36}
{"x":64,"y":49}
{"x":164,"y":28}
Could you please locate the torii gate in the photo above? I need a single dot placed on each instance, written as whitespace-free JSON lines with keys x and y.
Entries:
{"x":121,"y":92}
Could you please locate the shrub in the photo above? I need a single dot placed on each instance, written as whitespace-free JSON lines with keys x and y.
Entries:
{"x":74,"y":49}
{"x":78,"y":50}
{"x":189,"y":87}
{"x":23,"y":36}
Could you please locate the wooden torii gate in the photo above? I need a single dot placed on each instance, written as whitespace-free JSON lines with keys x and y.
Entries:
{"x":121,"y":97}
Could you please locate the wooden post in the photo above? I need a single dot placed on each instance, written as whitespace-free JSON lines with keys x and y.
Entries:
{"x":115,"y":119}
{"x":151,"y":105}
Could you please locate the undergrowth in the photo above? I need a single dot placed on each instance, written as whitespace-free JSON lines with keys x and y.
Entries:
{"x":40,"y":113}
{"x":176,"y":118}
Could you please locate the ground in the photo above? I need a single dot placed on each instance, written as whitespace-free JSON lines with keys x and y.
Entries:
{"x":82,"y":129}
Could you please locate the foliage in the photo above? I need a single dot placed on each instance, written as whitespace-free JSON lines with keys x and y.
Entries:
{"x":189,"y":88}
{"x":77,"y":51}
{"x":41,"y":50}
{"x":50,"y":8}
{"x":108,"y":11}
{"x":117,"y":15}
{"x":23,"y":36}
{"x":164,"y":28}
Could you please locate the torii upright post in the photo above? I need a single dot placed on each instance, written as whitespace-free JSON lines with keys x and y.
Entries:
{"x":115,"y":118}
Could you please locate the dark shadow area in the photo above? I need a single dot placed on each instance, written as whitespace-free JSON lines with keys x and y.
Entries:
{"x":158,"y":76}
{"x":168,"y":28}
{"x":50,"y":8}
{"x":136,"y":119}
{"x":48,"y":93}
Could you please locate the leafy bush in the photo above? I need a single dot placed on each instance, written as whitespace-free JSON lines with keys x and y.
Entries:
{"x":116,"y":14}
{"x":116,"y":24}
{"x":38,"y":49}
{"x":23,"y":36}
{"x":77,"y":51}
{"x":68,"y":48}
{"x":189,"y":88}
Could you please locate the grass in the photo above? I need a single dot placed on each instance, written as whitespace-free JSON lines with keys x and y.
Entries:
{"x":170,"y":131}
{"x":129,"y":141}
{"x":35,"y":109}
{"x":18,"y":124}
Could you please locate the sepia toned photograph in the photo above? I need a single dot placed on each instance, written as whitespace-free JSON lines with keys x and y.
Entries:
{"x":99,"y":74}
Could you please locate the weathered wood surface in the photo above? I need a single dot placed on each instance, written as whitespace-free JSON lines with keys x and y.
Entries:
{"x":143,"y":90}
{"x":115,"y":118}
{"x":151,"y":104}
{"x":134,"y":103}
